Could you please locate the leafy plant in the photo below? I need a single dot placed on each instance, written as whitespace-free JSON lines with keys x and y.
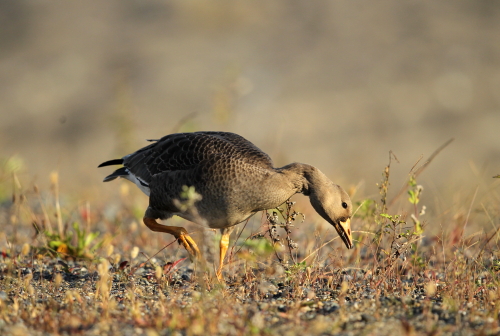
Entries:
{"x":258,"y":246}
{"x":75,"y":244}
{"x":393,"y":229}
{"x":296,"y":268}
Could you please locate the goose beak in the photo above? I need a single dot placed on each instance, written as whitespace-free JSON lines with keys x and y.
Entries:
{"x":344,"y":231}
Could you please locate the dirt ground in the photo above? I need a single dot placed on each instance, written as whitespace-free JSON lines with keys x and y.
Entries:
{"x":104,"y":273}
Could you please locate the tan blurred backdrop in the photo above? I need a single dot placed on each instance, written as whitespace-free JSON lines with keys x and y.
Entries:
{"x":336,"y":84}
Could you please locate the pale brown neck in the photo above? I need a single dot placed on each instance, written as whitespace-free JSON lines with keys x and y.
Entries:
{"x":302,"y":176}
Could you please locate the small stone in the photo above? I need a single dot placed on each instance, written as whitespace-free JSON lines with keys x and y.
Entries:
{"x":282,"y":308}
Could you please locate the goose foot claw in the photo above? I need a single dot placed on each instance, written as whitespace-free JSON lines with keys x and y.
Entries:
{"x":179,"y":233}
{"x":189,"y":244}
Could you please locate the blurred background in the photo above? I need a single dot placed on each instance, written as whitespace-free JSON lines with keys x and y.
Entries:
{"x":336,"y":84}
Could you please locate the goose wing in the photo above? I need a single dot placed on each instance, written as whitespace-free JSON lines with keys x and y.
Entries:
{"x":185,"y":151}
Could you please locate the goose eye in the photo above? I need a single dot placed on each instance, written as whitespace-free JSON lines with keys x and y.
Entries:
{"x":344,"y":205}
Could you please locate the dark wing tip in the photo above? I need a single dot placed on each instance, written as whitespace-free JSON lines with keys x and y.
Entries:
{"x":121,"y":172}
{"x":111,"y":163}
{"x":109,"y":178}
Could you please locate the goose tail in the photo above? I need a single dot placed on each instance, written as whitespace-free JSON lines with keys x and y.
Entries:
{"x":122,"y":172}
{"x":111,"y":163}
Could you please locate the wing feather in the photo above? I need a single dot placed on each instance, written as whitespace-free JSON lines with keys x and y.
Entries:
{"x":185,"y":151}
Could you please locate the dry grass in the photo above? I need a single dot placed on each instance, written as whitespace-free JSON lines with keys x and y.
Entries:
{"x":410,"y":273}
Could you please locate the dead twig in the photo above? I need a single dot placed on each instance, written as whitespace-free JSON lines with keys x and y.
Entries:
{"x":421,"y":169}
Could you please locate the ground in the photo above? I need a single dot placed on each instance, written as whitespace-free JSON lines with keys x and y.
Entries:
{"x":100,"y":271}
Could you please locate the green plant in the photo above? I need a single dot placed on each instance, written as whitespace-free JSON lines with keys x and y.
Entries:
{"x":296,"y":268}
{"x":259,"y":246}
{"x":75,"y":244}
{"x":394,"y":236}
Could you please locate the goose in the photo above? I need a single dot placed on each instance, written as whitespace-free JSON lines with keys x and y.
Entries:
{"x":235,"y":180}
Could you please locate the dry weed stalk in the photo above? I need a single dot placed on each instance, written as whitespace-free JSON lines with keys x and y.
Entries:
{"x":289,"y":215}
{"x":54,"y":180}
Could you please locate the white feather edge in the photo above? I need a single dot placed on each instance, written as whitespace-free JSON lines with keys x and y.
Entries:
{"x":137,"y":181}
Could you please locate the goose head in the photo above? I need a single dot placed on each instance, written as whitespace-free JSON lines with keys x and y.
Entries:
{"x":331,"y":202}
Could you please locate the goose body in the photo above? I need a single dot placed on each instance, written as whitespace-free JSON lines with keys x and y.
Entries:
{"x":234,"y":178}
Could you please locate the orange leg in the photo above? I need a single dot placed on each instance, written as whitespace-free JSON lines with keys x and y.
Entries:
{"x":224,"y":244}
{"x":178,"y":232}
